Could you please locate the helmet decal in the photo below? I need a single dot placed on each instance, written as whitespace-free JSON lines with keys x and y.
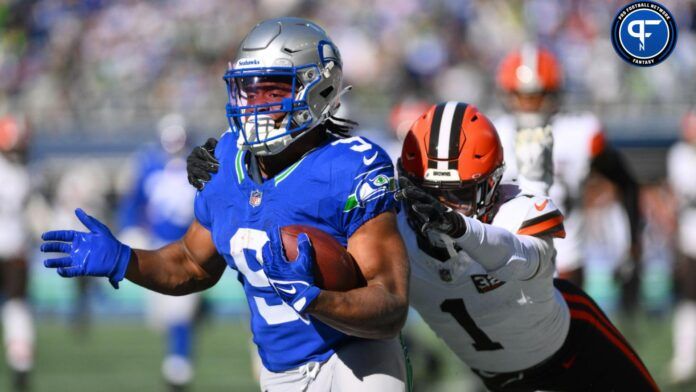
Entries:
{"x":445,"y":131}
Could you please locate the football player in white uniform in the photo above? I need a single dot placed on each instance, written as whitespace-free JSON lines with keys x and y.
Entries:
{"x":17,"y":320}
{"x":552,"y":153}
{"x":482,"y":267}
{"x":680,"y":163}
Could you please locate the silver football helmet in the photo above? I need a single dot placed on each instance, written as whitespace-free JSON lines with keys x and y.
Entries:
{"x":285,"y":79}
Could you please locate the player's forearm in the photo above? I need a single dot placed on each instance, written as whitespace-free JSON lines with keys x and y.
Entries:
{"x":494,"y":248}
{"x":168,"y":271}
{"x":371,"y":312}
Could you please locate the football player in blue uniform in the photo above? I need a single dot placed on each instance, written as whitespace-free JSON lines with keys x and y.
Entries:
{"x":285,"y":160}
{"x":157,"y":209}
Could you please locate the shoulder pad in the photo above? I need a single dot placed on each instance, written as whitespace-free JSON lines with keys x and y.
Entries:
{"x":543,"y":218}
{"x":531,"y":215}
{"x":581,"y":128}
{"x":226,"y":141}
{"x":358,"y":152}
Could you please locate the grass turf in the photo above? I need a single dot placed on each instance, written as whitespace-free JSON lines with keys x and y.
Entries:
{"x":124,"y":355}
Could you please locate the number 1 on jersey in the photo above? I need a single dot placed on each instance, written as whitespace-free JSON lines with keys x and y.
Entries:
{"x":457,"y":309}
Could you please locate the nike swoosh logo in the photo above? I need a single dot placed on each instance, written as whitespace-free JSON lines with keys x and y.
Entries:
{"x":540,"y":207}
{"x":292,"y":290}
{"x":368,"y":161}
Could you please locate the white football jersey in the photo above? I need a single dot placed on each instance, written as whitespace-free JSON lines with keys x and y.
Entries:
{"x":13,"y":196}
{"x":494,"y":303}
{"x":574,"y":138}
{"x":681,"y":161}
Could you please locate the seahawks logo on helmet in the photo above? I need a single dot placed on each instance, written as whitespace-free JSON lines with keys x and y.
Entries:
{"x":369,"y":189}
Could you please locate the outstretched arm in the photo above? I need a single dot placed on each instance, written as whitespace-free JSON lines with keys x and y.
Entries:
{"x":188,"y":265}
{"x":495,"y":248}
{"x":510,"y":256}
{"x":182,"y":267}
{"x":377,"y":311}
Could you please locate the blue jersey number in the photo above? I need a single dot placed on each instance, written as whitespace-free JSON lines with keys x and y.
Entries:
{"x":253,"y":239}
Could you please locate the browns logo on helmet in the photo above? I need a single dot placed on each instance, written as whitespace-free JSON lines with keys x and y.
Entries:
{"x":453,"y":152}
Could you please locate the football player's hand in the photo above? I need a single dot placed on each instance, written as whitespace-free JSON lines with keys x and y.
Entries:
{"x":96,"y":253}
{"x":201,"y":163}
{"x":428,"y":212}
{"x":292,"y":280}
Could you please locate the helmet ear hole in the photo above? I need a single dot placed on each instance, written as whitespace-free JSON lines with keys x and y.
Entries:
{"x":326,"y":92}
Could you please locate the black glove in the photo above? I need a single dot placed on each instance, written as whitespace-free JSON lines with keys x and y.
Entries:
{"x":201,"y":162}
{"x":428,"y":213}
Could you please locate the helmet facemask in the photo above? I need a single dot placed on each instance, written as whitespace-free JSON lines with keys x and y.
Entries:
{"x":296,"y":56}
{"x":533,"y":109}
{"x":268,"y":106}
{"x":474,"y":199}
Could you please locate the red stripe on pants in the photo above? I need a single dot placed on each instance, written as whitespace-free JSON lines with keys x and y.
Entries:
{"x":574,"y":298}
{"x":627,"y":351}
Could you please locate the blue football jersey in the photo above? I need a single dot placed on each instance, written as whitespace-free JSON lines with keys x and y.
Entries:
{"x":160,"y":199}
{"x":336,"y":187}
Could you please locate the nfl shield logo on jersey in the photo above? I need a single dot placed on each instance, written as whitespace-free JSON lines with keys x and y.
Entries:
{"x":255,"y":198}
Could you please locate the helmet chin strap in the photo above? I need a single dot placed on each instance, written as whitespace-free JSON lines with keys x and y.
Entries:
{"x":261,"y":127}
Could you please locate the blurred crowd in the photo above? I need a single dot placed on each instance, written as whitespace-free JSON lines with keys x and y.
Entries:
{"x":88,"y":76}
{"x":100,"y":66}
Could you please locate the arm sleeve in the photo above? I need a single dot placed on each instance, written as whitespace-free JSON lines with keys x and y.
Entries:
{"x":201,"y":211}
{"x":200,"y":204}
{"x":373,"y":192}
{"x":503,"y":254}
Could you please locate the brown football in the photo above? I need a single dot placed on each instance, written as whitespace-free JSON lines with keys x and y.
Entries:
{"x":334,"y":268}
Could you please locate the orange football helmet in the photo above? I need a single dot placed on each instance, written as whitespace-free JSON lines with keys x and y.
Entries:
{"x":13,"y":133}
{"x":454,"y":153}
{"x":530,"y":79}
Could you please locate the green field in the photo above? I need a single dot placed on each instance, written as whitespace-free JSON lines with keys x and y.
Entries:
{"x":125,"y":355}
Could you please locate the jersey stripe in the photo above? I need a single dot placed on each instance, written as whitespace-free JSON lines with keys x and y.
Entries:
{"x":435,"y":135}
{"x":557,"y":231}
{"x":238,"y":165}
{"x":541,"y":218}
{"x":551,"y":225}
{"x":455,"y":133}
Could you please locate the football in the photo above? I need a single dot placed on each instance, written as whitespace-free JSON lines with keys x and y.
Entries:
{"x":335,"y":269}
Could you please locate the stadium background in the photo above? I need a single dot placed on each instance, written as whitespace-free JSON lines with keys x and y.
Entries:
{"x":93,"y":78}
